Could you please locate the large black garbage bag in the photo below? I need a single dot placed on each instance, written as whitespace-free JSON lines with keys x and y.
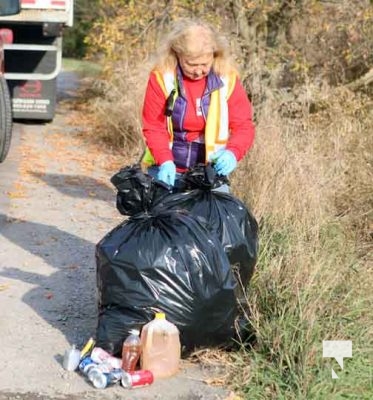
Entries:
{"x":164,"y":260}
{"x":226,"y":215}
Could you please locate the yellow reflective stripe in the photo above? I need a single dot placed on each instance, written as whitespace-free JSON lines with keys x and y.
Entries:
{"x":216,"y":131}
{"x":170,"y":130}
{"x":212,"y":123}
{"x":167,"y":82}
{"x":147,"y":159}
{"x":161,"y":83}
{"x":232,"y":83}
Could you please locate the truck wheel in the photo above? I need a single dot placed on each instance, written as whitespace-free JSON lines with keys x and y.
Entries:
{"x":5,"y":119}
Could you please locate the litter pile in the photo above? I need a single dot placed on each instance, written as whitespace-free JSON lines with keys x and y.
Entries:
{"x":188,"y":255}
{"x":157,"y":351}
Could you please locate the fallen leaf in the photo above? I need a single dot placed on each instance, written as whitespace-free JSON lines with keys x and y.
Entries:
{"x":16,"y":195}
{"x":4,"y":286}
{"x":215,"y":381}
{"x":233,"y":396}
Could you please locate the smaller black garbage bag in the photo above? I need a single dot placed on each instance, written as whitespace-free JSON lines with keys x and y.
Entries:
{"x":227,"y":216}
{"x":137,"y":192}
{"x":164,"y":260}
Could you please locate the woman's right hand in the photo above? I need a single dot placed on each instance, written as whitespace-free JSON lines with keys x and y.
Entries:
{"x":167,"y":173}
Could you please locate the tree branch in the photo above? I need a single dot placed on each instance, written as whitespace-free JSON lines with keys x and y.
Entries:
{"x":363,"y":81}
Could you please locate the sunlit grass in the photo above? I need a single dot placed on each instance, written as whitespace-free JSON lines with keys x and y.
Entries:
{"x":82,"y":67}
{"x":304,"y":180}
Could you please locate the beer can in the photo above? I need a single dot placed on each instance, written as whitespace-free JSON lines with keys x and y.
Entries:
{"x":137,"y":379}
{"x":86,"y":365}
{"x":100,"y":379}
{"x":99,"y":355}
{"x":104,"y":367}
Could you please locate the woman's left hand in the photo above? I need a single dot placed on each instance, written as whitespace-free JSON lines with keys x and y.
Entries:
{"x":167,"y":173}
{"x":224,"y":162}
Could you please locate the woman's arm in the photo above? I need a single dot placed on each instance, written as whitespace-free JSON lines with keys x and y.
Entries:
{"x":154,"y":124}
{"x":241,"y":126}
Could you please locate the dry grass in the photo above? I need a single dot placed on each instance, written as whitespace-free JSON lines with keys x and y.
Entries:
{"x":309,"y":182}
{"x":115,"y":114}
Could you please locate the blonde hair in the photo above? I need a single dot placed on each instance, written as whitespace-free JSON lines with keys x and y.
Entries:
{"x":193,"y":37}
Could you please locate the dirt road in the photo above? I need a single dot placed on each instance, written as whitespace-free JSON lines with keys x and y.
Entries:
{"x":56,"y":203}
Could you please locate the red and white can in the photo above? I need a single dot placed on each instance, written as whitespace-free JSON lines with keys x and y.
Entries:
{"x":137,"y":379}
{"x":99,"y":356}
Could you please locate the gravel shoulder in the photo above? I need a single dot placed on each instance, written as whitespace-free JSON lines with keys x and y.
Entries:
{"x":56,"y":203}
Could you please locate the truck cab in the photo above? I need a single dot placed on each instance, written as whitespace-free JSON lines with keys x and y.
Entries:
{"x":31,"y":33}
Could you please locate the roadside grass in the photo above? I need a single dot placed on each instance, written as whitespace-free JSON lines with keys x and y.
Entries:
{"x":295,"y":303}
{"x":114,"y":109}
{"x":82,"y":67}
{"x":304,"y":180}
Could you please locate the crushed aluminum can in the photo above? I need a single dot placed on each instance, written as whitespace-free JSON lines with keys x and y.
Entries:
{"x":99,"y":356}
{"x":139,"y":378}
{"x":100,"y":379}
{"x":86,"y":365}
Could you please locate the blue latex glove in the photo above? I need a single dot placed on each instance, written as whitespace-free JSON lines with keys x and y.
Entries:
{"x":167,"y":173}
{"x":224,"y":162}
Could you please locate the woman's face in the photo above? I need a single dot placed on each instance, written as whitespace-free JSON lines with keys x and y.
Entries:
{"x":196,"y":67}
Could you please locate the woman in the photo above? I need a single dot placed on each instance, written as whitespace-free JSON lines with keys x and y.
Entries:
{"x":195,"y":108}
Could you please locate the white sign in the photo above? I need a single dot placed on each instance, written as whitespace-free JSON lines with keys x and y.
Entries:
{"x":338,"y":349}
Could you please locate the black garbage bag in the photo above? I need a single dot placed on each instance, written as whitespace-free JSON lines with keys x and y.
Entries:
{"x":226,"y":216}
{"x":137,"y":192}
{"x":164,"y":260}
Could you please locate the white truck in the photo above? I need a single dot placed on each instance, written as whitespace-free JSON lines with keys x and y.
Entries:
{"x":30,"y":60}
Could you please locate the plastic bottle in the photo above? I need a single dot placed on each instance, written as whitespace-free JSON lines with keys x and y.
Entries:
{"x":161,"y":348}
{"x":71,"y":358}
{"x":131,"y":351}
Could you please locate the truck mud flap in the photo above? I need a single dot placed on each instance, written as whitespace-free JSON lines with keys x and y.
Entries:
{"x":5,"y":119}
{"x":34,"y":99}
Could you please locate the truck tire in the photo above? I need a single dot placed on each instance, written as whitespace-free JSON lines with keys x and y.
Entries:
{"x":6,"y":120}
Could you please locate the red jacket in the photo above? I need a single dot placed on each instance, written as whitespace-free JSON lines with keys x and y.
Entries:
{"x":242,"y":129}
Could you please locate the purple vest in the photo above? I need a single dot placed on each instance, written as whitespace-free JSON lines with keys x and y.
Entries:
{"x":187,"y":154}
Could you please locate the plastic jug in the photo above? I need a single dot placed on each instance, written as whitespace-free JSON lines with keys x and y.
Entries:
{"x":131,"y":351}
{"x":161,"y":348}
